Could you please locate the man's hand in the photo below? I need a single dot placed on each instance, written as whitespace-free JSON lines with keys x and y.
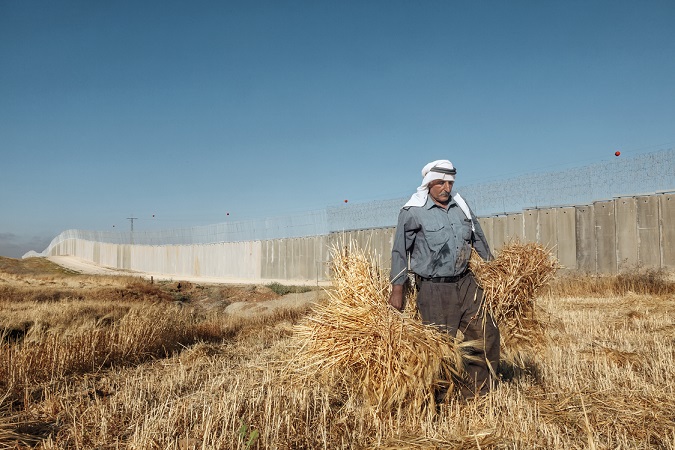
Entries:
{"x":396,"y":296}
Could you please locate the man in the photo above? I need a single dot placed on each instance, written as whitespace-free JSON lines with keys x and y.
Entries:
{"x":437,"y":230}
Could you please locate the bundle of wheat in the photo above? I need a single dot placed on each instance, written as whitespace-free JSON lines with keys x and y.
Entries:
{"x":510,"y":283}
{"x":389,"y":359}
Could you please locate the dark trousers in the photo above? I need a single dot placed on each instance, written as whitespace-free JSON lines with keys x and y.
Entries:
{"x":455,"y":306}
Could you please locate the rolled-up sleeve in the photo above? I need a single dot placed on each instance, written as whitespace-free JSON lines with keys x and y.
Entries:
{"x":404,"y":238}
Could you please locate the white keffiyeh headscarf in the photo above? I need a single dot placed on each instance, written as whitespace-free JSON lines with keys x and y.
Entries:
{"x":441,"y":169}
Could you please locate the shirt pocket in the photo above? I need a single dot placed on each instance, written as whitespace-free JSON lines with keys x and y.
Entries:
{"x":436,"y":236}
{"x":466,"y":230}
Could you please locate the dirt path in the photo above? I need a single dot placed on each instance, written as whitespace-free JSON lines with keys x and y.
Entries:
{"x":287,"y":302}
{"x":256,"y":303}
{"x":87,"y":267}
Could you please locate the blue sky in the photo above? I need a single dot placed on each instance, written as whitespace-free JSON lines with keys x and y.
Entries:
{"x":192,"y":110}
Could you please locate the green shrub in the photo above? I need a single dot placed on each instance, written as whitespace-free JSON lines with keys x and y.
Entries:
{"x":281,"y":289}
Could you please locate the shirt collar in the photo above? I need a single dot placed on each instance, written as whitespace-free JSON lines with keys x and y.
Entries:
{"x":430,"y":203}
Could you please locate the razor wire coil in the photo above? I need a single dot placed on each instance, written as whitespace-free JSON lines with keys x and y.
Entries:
{"x":640,"y":175}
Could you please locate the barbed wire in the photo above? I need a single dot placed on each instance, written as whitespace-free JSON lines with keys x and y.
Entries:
{"x":642,"y":174}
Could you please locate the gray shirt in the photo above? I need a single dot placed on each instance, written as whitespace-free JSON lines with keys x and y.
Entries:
{"x":439,"y":241}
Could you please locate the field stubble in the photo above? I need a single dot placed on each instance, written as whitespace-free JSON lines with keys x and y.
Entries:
{"x":98,"y":362}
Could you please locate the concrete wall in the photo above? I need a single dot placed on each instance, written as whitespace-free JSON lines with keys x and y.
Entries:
{"x":586,"y":258}
{"x":626,"y":233}
{"x":566,"y":241}
{"x":300,"y":259}
{"x":648,"y":231}
{"x":499,"y":233}
{"x":605,"y":237}
{"x":486,"y":225}
{"x":531,"y":225}
{"x":667,"y":228}
{"x":295,"y":259}
{"x":548,"y":229}
{"x":515,"y":227}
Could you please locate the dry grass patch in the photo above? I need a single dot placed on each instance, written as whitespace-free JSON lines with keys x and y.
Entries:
{"x":31,"y":267}
{"x":635,"y":281}
{"x":603,"y":378}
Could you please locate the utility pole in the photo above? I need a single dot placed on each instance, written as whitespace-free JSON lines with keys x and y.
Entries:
{"x":131,"y":219}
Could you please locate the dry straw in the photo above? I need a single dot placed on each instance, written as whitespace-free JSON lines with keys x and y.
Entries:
{"x":390,"y":360}
{"x":510,"y":283}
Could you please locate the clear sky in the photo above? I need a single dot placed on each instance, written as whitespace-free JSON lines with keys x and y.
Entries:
{"x":193,"y":110}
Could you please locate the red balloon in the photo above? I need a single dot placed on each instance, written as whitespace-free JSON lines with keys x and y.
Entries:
{"x":617,"y":153}
{"x":346,"y":201}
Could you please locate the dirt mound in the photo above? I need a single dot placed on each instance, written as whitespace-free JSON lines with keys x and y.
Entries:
{"x":293,"y":301}
{"x":31,"y":266}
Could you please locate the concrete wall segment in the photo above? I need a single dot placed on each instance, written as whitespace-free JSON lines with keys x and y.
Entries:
{"x":585,"y":239}
{"x":293,"y":259}
{"x":270,"y":256}
{"x":566,"y":237}
{"x":548,"y":229}
{"x":605,"y":236}
{"x":531,"y":225}
{"x":486,"y":225}
{"x":648,"y":231}
{"x":667,"y":211}
{"x":515,"y":229}
{"x":499,"y":232}
{"x":626,"y":233}
{"x":378,"y":242}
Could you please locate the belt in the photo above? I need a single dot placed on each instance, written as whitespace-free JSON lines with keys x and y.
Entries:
{"x":452,"y":279}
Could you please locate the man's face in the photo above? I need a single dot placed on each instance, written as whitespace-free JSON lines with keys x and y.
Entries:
{"x":439,"y":191}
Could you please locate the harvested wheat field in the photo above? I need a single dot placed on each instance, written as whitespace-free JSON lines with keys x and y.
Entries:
{"x":117,"y":362}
